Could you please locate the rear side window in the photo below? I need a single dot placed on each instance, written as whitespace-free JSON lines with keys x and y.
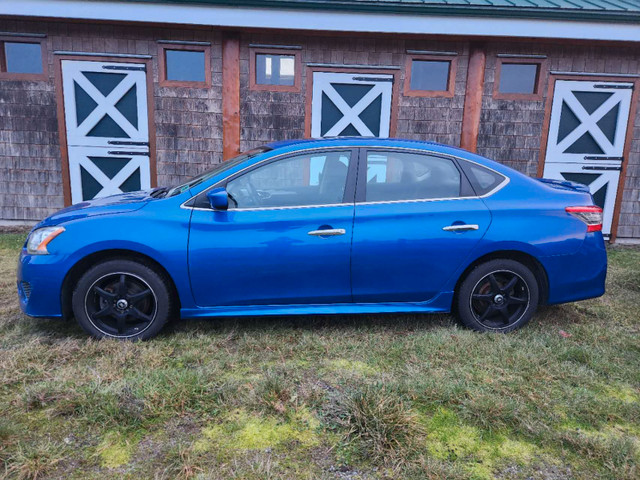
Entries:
{"x":482,"y":179}
{"x":396,"y":176}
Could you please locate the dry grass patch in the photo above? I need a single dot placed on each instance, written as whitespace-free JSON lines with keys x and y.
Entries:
{"x":359,"y":397}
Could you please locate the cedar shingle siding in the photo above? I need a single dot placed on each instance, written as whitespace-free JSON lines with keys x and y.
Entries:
{"x":188,"y":121}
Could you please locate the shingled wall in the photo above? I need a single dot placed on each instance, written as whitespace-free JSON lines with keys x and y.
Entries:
{"x":188,"y":121}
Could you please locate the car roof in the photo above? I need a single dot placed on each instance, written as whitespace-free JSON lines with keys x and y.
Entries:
{"x":367,"y":141}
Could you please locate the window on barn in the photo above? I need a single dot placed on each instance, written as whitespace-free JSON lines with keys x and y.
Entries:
{"x":519,"y":78}
{"x":185,"y":64}
{"x":21,"y":59}
{"x":430,"y":75}
{"x":275,"y":69}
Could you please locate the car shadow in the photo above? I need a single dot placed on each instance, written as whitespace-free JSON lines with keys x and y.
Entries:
{"x":266,"y":324}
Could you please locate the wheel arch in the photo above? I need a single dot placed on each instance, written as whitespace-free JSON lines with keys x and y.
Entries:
{"x":528,"y":260}
{"x":86,"y":262}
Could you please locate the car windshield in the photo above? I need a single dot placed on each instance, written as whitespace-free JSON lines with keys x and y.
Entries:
{"x":219,"y":168}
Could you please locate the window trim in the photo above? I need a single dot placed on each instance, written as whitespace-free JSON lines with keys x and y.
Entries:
{"x":162,"y":65}
{"x":360,"y":152}
{"x":297,"y":69}
{"x":348,"y":198}
{"x":4,"y":75}
{"x":451,"y":81}
{"x":538,"y":84}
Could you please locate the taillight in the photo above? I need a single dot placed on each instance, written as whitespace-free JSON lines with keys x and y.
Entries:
{"x":591,"y":215}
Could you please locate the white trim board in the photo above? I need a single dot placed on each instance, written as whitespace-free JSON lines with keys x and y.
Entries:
{"x":224,"y":16}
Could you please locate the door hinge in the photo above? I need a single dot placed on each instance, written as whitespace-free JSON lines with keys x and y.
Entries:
{"x":596,"y":157}
{"x":618,"y":87}
{"x":122,"y":142}
{"x":113,"y":152}
{"x":373,"y":79}
{"x":141,"y":68}
{"x":594,"y":167}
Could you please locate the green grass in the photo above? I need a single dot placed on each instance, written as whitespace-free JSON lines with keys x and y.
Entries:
{"x":360,"y":397}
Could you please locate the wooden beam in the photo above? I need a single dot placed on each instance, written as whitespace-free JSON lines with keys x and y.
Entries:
{"x":230,"y":95}
{"x":473,"y":98}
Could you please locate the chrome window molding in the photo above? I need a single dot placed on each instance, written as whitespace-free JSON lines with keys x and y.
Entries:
{"x":257,"y":209}
{"x":497,"y":188}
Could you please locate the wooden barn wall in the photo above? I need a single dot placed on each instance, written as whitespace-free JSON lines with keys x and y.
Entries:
{"x":511,"y":130}
{"x":267,"y":115}
{"x":188,"y":121}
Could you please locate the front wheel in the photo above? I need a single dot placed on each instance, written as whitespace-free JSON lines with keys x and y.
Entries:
{"x":122,"y":299}
{"x":498,"y":296}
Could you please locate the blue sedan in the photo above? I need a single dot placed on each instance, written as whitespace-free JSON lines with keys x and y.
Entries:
{"x":320,"y":227}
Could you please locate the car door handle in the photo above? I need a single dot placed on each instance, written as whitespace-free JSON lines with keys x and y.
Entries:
{"x":460,"y":228}
{"x":329,"y":232}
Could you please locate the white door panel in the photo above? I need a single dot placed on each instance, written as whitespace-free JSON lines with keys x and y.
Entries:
{"x":347,"y":104}
{"x":107,"y":125}
{"x":588,"y":119}
{"x":99,"y":172}
{"x":587,"y":135}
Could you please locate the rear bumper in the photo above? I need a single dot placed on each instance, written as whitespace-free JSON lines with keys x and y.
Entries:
{"x":579,"y":275}
{"x":39,"y":283}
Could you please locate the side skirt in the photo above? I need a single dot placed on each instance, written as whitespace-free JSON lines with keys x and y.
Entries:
{"x":439,"y":304}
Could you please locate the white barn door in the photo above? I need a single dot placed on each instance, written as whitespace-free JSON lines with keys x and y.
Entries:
{"x":587,"y":134}
{"x":106,"y":119}
{"x":348,"y":104}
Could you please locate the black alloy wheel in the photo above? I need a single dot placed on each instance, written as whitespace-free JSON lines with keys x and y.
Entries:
{"x":121,"y":304}
{"x":497,"y":296}
{"x":499,"y":299}
{"x":123,"y":299}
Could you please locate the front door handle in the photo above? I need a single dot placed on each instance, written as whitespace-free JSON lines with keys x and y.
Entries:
{"x":329,"y":232}
{"x":460,"y":228}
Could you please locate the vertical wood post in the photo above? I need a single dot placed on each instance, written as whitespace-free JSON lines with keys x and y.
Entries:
{"x":230,"y":95}
{"x":473,"y":98}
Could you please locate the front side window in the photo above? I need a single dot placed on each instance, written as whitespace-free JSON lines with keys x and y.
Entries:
{"x":397,"y":176}
{"x":303,"y":180}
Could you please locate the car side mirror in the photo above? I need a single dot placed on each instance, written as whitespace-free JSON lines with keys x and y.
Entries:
{"x":218,"y":198}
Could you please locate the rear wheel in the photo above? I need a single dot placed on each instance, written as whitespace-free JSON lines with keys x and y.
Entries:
{"x":498,"y":296}
{"x":122,"y":299}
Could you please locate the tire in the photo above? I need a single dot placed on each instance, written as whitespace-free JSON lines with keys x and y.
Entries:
{"x":122,"y":299}
{"x":497,"y":296}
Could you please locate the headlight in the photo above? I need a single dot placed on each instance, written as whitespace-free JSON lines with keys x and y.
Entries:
{"x":40,"y":238}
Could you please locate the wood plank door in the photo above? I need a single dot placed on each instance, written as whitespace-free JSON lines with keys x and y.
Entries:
{"x":107,"y":127}
{"x":351,"y":104}
{"x":587,"y":136}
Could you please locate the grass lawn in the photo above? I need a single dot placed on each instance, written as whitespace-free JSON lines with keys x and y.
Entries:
{"x":356,"y":397}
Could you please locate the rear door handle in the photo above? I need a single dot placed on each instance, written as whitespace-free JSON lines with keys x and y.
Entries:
{"x":460,"y":228}
{"x":329,"y":232}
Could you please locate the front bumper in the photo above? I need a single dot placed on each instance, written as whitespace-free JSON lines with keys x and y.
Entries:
{"x":39,"y":283}
{"x":580,"y":275}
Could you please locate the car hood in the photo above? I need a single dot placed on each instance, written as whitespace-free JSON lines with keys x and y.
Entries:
{"x":115,"y":204}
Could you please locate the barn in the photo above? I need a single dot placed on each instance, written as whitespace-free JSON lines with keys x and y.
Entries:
{"x":107,"y":96}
